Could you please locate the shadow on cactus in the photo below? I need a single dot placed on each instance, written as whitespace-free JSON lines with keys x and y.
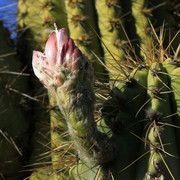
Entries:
{"x":136,"y":133}
{"x":13,"y":124}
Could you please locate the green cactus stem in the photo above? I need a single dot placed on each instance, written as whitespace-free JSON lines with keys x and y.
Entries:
{"x":141,"y":13}
{"x":82,"y":24}
{"x":172,"y":68}
{"x":112,"y":35}
{"x":76,"y":99}
{"x":162,"y":132}
{"x":128,"y":99}
{"x":69,"y":78}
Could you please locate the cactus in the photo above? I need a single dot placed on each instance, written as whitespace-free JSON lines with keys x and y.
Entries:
{"x":172,"y":67}
{"x":111,"y":109}
{"x":65,"y":71}
{"x":159,"y":135}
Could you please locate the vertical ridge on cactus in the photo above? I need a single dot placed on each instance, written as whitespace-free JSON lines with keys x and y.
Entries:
{"x":112,"y":35}
{"x":160,"y":104}
{"x":172,"y":68}
{"x":141,"y":12}
{"x":81,"y":23}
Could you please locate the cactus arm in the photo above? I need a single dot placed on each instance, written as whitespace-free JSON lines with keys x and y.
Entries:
{"x":136,"y":96}
{"x":175,"y":84}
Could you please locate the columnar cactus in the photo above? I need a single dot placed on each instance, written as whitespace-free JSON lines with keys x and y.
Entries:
{"x":160,"y":132}
{"x":67,"y":74}
{"x":172,"y":68}
{"x":113,"y":111}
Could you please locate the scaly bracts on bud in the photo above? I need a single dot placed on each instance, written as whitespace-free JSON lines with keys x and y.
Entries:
{"x":68,"y":75}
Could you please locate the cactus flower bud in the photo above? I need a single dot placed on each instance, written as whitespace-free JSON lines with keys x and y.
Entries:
{"x":68,"y":75}
{"x":60,"y":52}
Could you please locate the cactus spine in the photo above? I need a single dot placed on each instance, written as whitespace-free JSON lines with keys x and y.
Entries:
{"x":137,"y":107}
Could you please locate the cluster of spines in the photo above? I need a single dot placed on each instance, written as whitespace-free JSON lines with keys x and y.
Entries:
{"x":165,"y":13}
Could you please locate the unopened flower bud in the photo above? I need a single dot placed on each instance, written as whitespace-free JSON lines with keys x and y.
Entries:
{"x":60,"y":52}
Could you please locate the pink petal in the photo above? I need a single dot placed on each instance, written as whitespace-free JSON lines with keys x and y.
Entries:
{"x":71,"y":47}
{"x":62,"y":38}
{"x":63,"y":53}
{"x":37,"y":56}
{"x":36,"y":63}
{"x":51,"y":49}
{"x":75,"y":59}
